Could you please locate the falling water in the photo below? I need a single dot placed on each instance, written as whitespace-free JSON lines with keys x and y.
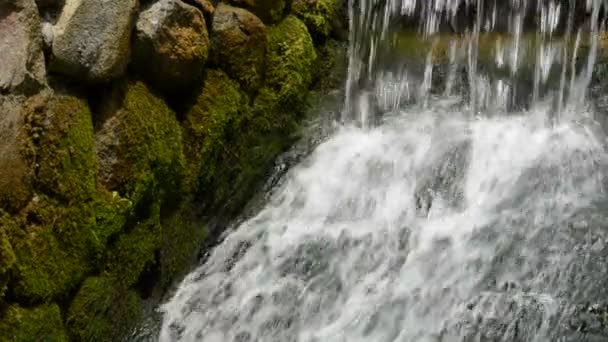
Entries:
{"x":462,"y":199}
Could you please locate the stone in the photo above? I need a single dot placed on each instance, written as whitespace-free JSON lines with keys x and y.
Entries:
{"x":92,"y":39}
{"x":171,"y":44}
{"x":206,"y":6}
{"x":270,"y":11}
{"x":22,"y":68}
{"x":238,"y":43}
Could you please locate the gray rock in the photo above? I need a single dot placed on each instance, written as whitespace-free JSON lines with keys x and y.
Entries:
{"x":238,"y":44}
{"x":92,"y":39}
{"x":171,"y":45}
{"x":22,"y":66}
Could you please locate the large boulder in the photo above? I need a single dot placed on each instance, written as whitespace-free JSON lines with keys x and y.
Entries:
{"x":238,"y":41}
{"x":92,"y":39}
{"x":22,"y":66}
{"x":171,"y":44}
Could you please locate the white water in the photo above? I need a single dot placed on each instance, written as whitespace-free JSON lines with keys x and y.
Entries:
{"x":431,"y":225}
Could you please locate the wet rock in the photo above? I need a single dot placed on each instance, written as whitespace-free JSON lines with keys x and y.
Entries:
{"x":171,"y":44}
{"x":92,"y":39}
{"x":238,"y":41}
{"x":22,"y":68}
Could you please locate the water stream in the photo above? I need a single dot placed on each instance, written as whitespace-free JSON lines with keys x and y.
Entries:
{"x":462,"y":197}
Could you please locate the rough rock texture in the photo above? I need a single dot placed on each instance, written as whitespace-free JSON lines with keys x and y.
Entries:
{"x":238,"y":41}
{"x":318,"y":15}
{"x":22,"y":69}
{"x":206,"y":6}
{"x":270,"y":11}
{"x":92,"y":38}
{"x":171,"y":37}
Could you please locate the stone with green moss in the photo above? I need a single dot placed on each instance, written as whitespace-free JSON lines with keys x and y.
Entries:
{"x":270,"y":11}
{"x":102,"y":310}
{"x":134,"y":250}
{"x":41,"y":323}
{"x":238,"y":45}
{"x":318,"y":15}
{"x":183,"y":235}
{"x":208,"y":126}
{"x":139,"y":147}
{"x":66,"y":150}
{"x":290,"y":60}
{"x":111,"y":215}
{"x":7,"y":258}
{"x":54,"y":247}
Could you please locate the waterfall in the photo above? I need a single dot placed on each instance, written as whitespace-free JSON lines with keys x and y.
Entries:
{"x":463,"y":197}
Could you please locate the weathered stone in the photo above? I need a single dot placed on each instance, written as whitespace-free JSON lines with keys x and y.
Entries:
{"x":238,"y":41}
{"x":270,"y":11}
{"x":17,"y":169}
{"x":171,"y":45}
{"x":206,"y":6}
{"x":22,"y":66}
{"x":92,"y":37}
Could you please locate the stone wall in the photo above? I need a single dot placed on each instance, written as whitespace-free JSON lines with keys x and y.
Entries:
{"x":125,"y":128}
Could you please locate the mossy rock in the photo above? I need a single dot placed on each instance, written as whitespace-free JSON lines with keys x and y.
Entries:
{"x":318,"y":15}
{"x":134,"y":250}
{"x":183,"y":235}
{"x":139,"y":147}
{"x":42,"y":323}
{"x":7,"y":258}
{"x":111,"y":215}
{"x":290,"y":60}
{"x":66,"y":150}
{"x":270,"y":11}
{"x":207,"y":124}
{"x":332,"y":66}
{"x":103,"y":310}
{"x":55,"y":249}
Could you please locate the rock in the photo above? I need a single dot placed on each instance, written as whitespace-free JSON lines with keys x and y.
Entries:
{"x":206,"y":6}
{"x":41,"y":323}
{"x":139,"y":145}
{"x":102,"y":308}
{"x":44,"y":4}
{"x":92,"y":38}
{"x":17,"y":169}
{"x":22,"y":68}
{"x":290,"y":61}
{"x":238,"y":41}
{"x":171,"y":44}
{"x":318,"y":15}
{"x":270,"y":11}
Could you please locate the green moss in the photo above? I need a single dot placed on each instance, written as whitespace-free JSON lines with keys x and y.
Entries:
{"x":270,"y":11}
{"x":7,"y":257}
{"x":332,"y":65}
{"x":182,"y":237}
{"x":102,"y":310}
{"x":42,"y":323}
{"x":318,"y":16}
{"x":66,"y":153}
{"x":140,"y":148}
{"x":111,"y":214}
{"x":219,"y":107}
{"x":55,"y":249}
{"x":290,"y":60}
{"x":134,"y":251}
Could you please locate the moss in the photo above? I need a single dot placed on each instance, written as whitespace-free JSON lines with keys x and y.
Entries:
{"x":111,"y":214}
{"x":102,"y":310}
{"x":290,"y":60}
{"x":140,"y":147}
{"x":218,"y":107}
{"x":270,"y":11}
{"x":318,"y":15}
{"x":331,"y":68}
{"x":66,"y":152}
{"x":182,"y":237}
{"x":7,"y":258}
{"x":134,"y":251}
{"x":55,"y":248}
{"x":42,"y":323}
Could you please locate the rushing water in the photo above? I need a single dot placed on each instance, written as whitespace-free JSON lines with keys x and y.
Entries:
{"x":450,"y":213}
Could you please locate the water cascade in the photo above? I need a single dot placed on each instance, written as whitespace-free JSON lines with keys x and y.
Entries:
{"x":463,"y":197}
